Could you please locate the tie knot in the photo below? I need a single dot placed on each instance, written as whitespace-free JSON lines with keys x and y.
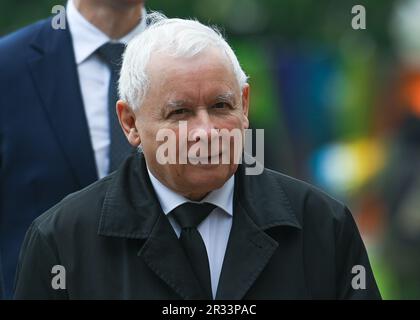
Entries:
{"x":190,"y":215}
{"x":111,"y":53}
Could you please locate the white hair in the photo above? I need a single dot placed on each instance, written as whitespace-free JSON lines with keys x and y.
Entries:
{"x":177,"y":37}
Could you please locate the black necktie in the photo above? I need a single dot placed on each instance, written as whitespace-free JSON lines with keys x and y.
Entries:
{"x":111,"y":54}
{"x":189,"y":215}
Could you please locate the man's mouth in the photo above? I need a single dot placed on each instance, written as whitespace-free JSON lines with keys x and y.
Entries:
{"x":211,"y":159}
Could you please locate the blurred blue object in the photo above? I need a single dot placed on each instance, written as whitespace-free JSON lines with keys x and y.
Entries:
{"x":304,"y":82}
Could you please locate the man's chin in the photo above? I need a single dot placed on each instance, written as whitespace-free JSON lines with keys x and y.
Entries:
{"x":210,"y":176}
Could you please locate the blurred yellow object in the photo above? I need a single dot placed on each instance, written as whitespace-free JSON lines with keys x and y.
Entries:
{"x":347,"y":166}
{"x":369,"y":156}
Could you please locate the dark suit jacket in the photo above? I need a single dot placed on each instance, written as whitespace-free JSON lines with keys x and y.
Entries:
{"x":45,"y":147}
{"x":288,"y":240}
{"x":1,"y":281}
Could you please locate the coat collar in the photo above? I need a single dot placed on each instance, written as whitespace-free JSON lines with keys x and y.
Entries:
{"x":263,"y":198}
{"x":131,"y":207}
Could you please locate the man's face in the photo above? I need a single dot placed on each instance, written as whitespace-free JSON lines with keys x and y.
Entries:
{"x":204,"y":92}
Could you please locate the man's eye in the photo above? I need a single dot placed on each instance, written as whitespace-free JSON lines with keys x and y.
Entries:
{"x":179,"y":111}
{"x":220,"y":105}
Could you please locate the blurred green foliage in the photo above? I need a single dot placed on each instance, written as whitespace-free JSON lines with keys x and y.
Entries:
{"x":16,"y":14}
{"x":316,"y":20}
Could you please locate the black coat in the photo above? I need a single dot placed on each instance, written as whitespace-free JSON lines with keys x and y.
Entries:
{"x":288,"y":241}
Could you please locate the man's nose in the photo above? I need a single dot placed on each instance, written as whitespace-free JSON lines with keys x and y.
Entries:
{"x":202,"y":124}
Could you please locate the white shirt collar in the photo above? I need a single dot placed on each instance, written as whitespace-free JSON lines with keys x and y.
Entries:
{"x":169,"y":199}
{"x":87,"y":38}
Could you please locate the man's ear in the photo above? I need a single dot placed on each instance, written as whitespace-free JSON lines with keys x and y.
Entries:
{"x":245,"y":104}
{"x":127,"y":119}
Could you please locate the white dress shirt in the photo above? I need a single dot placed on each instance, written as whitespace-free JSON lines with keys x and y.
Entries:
{"x":214,"y":230}
{"x":94,"y":77}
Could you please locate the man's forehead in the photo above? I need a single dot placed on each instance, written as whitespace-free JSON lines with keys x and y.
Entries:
{"x":209,"y":75}
{"x":210,"y":59}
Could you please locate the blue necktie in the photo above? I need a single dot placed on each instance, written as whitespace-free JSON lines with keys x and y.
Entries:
{"x":120,"y":148}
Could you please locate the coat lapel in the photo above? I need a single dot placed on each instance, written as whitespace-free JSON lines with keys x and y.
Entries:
{"x":249,"y":250}
{"x":165,"y":257}
{"x":53,"y":68}
{"x":251,"y":245}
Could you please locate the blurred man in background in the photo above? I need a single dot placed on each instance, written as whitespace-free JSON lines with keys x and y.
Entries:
{"x":58,"y":126}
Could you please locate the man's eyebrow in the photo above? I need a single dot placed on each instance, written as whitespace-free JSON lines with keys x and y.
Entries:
{"x":227,"y":96}
{"x":175,"y":103}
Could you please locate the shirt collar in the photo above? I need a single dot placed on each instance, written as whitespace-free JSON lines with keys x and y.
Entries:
{"x":169,"y":199}
{"x":87,"y":38}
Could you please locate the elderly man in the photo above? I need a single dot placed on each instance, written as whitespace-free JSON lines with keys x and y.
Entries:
{"x":191,"y":230}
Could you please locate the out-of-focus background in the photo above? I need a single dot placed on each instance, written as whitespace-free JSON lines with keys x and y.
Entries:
{"x":340,"y":107}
